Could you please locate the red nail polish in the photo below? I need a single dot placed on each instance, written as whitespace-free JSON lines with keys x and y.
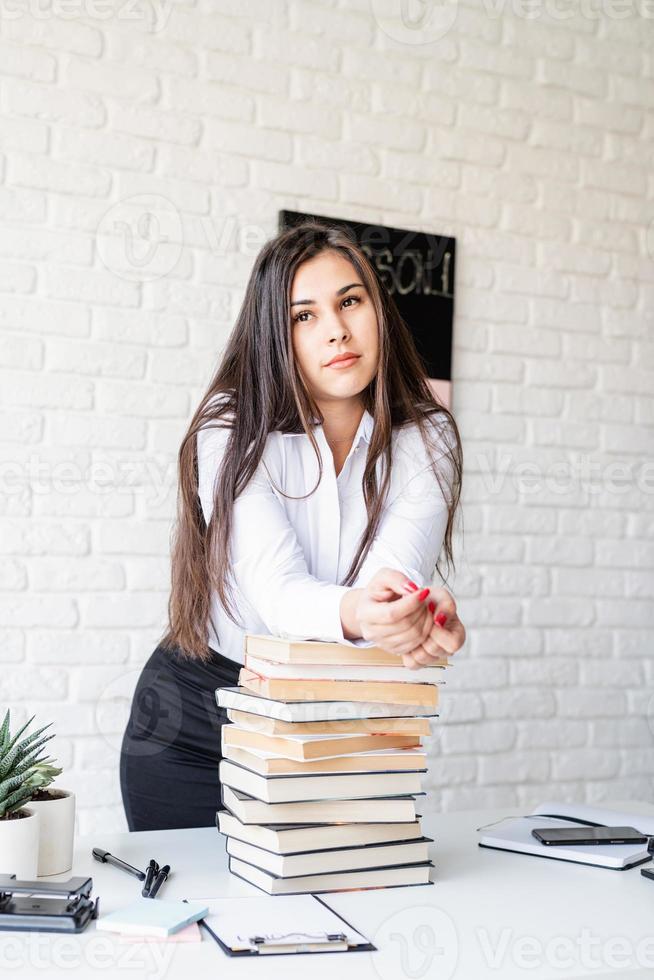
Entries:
{"x":432,"y":607}
{"x":411,"y":585}
{"x":423,"y":595}
{"x":441,"y":619}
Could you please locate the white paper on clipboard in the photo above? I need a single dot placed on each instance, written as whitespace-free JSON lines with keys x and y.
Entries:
{"x":279,"y":920}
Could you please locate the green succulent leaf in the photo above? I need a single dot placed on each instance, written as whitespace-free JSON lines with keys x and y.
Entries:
{"x":24,"y":767}
{"x":14,"y":802}
{"x":29,"y":738}
{"x":21,"y":730}
{"x":4,"y":732}
{"x":19,"y":752}
{"x":8,"y":786}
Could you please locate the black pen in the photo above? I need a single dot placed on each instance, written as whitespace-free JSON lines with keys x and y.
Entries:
{"x":153,"y":869}
{"x":106,"y":858}
{"x":159,"y":880}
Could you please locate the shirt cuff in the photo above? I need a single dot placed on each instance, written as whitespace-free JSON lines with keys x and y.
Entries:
{"x":317,"y":615}
{"x":320,"y":618}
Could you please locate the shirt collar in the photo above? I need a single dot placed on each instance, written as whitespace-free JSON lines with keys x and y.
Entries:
{"x":366,"y":425}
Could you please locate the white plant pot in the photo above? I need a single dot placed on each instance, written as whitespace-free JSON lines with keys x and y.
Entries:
{"x":19,"y":845}
{"x":56,"y":833}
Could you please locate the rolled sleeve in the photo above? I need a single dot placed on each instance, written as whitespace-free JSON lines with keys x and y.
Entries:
{"x":412,"y":530}
{"x":410,"y":535}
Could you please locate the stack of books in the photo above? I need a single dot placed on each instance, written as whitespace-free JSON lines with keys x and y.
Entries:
{"x":322,"y":764}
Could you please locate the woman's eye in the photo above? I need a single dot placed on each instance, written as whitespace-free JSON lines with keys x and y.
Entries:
{"x":296,"y":318}
{"x":351,"y":297}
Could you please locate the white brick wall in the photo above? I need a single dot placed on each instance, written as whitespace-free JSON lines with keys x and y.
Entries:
{"x":531,"y":139}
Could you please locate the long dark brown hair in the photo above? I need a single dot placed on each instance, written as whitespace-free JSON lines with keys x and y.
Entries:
{"x":263,"y":391}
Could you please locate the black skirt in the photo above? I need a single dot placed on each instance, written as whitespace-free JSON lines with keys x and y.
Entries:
{"x":171,"y":746}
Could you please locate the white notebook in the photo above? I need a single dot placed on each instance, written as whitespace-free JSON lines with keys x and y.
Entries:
{"x":515,"y":834}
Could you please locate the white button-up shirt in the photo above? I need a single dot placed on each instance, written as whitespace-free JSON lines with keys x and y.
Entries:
{"x":288,"y":555}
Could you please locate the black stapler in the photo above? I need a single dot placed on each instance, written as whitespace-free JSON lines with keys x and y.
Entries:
{"x":46,"y":906}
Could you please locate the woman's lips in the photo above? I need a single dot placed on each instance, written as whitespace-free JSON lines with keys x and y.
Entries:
{"x":344,"y":364}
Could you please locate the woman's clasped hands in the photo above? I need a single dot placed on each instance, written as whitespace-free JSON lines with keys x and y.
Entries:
{"x":420,"y":625}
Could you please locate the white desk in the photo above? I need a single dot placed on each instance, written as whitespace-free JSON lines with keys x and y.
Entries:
{"x":489,"y":914}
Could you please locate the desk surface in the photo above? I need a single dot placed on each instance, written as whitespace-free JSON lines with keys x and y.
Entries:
{"x":488,"y":914}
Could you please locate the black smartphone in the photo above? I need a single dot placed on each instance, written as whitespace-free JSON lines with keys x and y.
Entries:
{"x":589,"y":835}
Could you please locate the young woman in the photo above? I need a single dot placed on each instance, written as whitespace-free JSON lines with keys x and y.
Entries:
{"x":316,"y":493}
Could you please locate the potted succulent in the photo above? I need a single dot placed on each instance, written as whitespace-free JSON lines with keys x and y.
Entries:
{"x":19,"y":825}
{"x":25,"y":798}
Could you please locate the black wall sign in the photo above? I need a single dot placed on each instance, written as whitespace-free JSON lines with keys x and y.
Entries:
{"x":418,"y":269}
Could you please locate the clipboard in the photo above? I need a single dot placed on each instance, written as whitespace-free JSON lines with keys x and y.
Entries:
{"x":268,"y":925}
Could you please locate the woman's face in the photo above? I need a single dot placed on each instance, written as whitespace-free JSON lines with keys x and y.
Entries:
{"x":331,"y":313}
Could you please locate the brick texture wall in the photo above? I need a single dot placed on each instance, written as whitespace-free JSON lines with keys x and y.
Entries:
{"x":145,"y":151}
